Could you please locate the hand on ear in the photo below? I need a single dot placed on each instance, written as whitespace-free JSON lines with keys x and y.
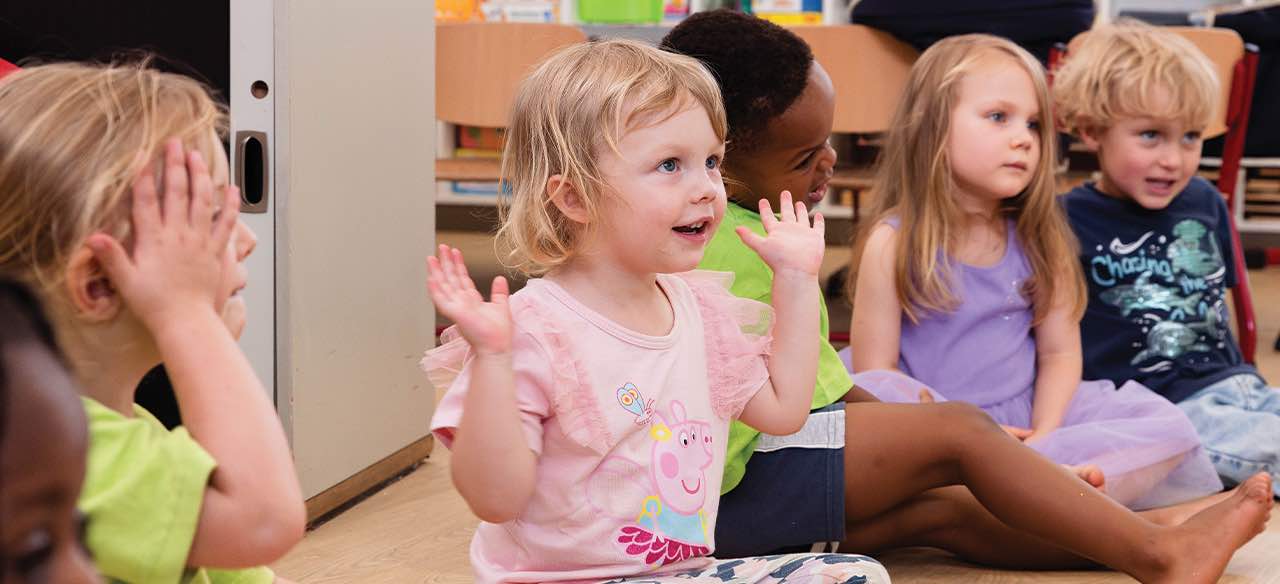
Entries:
{"x":93,"y":295}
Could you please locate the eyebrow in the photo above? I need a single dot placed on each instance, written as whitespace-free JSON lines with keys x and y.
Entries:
{"x":1006,"y":104}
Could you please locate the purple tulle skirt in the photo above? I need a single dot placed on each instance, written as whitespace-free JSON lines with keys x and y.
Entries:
{"x":1144,"y":444}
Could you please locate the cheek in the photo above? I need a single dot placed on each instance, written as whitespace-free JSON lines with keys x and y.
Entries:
{"x":668,"y":464}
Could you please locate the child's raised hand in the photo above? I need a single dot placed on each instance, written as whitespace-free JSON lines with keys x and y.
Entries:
{"x":179,"y":239}
{"x":791,"y":243}
{"x":486,"y":325}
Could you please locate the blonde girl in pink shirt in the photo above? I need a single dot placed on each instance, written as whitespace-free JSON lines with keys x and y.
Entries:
{"x":590,"y":409}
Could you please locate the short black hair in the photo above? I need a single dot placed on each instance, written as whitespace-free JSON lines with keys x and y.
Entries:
{"x":761,"y":67}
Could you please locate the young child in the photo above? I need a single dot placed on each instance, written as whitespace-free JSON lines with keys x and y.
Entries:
{"x":589,"y":417}
{"x":964,"y":282}
{"x":1156,"y":244}
{"x":779,"y":103}
{"x":134,"y":281}
{"x":42,"y":451}
{"x":780,"y":500}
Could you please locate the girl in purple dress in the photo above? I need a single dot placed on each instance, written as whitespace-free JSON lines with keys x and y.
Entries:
{"x":967,"y":283}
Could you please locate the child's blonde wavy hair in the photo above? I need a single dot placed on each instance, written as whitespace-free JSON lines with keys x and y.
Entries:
{"x":576,"y":103}
{"x":914,"y":184}
{"x":1132,"y":69}
{"x":72,"y":139}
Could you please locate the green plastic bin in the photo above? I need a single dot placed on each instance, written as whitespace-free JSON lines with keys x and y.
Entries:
{"x":620,"y":11}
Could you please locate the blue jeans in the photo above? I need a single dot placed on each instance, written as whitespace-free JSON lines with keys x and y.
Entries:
{"x":1238,"y":420}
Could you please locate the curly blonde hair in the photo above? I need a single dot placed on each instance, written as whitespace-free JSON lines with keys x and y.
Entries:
{"x":1131,"y":69}
{"x":580,"y":100}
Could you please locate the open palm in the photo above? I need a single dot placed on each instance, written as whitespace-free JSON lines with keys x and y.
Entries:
{"x":790,"y":242}
{"x":486,"y":325}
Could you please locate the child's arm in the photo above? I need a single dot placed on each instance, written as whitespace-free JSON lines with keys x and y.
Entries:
{"x":1059,"y":365}
{"x":876,"y":325}
{"x":793,"y":250}
{"x":252,"y":511}
{"x":493,"y":467}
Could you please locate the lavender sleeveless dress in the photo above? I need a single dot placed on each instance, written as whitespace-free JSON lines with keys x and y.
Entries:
{"x":984,"y":353}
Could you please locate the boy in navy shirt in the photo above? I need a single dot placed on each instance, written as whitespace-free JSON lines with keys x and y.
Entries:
{"x":1156,"y":244}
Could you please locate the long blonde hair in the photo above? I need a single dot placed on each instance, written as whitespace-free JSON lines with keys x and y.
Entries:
{"x":72,"y":138}
{"x":579,"y":100}
{"x":914,"y":184}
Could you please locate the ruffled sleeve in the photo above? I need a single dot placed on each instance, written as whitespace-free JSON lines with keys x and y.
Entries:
{"x":550,"y":381}
{"x":739,"y":335}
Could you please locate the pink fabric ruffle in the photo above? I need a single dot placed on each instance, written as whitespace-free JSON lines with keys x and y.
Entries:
{"x":574,"y":404}
{"x":739,"y":337}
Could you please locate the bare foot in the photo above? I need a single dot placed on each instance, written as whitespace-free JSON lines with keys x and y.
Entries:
{"x":1181,"y":512}
{"x":1199,"y":549}
{"x":1090,"y":473}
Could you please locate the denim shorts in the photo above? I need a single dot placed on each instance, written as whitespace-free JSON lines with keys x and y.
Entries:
{"x":1238,"y":420}
{"x":791,"y":498}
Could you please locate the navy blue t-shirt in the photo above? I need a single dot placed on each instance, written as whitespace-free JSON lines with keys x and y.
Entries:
{"x":1157,"y":289}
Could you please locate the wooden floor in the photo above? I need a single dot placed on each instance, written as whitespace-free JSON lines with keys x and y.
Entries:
{"x":417,"y":529}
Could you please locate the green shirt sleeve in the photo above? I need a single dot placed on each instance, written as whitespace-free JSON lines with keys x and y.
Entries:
{"x":143,"y":489}
{"x":753,"y":279}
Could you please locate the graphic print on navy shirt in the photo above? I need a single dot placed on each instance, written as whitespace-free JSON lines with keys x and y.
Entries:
{"x":1170,"y":285}
{"x":1157,"y":281}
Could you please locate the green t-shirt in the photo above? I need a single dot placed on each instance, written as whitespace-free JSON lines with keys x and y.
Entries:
{"x":142,"y":494}
{"x":753,"y":279}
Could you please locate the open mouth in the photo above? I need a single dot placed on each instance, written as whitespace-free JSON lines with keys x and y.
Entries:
{"x":818,"y":193}
{"x":692,"y":229}
{"x":1161,"y":184}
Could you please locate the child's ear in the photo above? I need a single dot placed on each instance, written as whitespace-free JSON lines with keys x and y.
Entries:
{"x":93,"y":297}
{"x":1090,"y":136}
{"x":567,"y":199}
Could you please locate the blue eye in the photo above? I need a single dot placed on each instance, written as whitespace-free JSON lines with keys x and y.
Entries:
{"x":998,"y":117}
{"x":1191,"y":138}
{"x":1148,"y":134}
{"x":669,"y":165}
{"x":1034,"y":125}
{"x":713,"y":163}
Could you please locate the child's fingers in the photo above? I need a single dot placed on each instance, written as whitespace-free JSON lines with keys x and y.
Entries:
{"x":111,"y":255}
{"x":460,"y":272}
{"x":202,"y":198}
{"x":499,"y":290}
{"x":750,"y":238}
{"x":820,"y":224}
{"x":228,"y":214}
{"x":176,"y":198}
{"x":802,"y":213}
{"x":146,"y":208}
{"x":444,"y":260}
{"x":785,"y":209}
{"x":766,"y":215}
{"x":437,"y":281}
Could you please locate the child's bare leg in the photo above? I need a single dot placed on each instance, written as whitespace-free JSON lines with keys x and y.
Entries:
{"x":950,"y":518}
{"x":896,"y":452}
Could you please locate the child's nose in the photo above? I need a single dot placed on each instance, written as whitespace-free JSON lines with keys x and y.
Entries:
{"x":828,"y":157}
{"x":245,"y":240}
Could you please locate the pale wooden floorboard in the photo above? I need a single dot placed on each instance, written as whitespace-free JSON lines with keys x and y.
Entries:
{"x":417,"y":530}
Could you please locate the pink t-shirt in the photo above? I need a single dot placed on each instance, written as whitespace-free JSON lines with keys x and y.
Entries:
{"x":629,"y":429}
